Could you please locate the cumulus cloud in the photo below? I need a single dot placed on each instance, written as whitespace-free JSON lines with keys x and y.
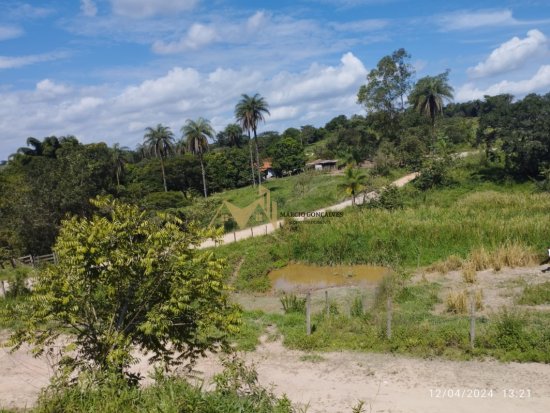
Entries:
{"x":12,"y":62}
{"x":539,"y":82}
{"x":512,"y":55}
{"x":148,"y":8}
{"x":10,"y":32}
{"x":313,"y":96}
{"x":197,"y":36}
{"x":88,"y":8}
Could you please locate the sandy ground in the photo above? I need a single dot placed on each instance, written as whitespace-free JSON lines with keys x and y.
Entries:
{"x":334,"y":382}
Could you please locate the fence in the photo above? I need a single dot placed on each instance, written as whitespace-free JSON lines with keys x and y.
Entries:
{"x":390,"y":319}
{"x":38,"y":260}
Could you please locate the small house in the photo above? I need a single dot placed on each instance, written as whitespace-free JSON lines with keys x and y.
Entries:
{"x":322,"y":164}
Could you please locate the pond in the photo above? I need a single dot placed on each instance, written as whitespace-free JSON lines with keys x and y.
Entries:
{"x":300,"y":277}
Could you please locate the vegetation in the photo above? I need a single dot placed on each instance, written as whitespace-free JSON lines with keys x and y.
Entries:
{"x":535,"y":294}
{"x":124,"y":281}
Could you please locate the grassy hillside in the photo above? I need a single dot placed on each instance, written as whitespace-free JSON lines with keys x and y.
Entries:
{"x":431,"y":226}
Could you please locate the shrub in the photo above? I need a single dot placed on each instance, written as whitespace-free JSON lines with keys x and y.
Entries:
{"x":536,"y":294}
{"x":292,"y":303}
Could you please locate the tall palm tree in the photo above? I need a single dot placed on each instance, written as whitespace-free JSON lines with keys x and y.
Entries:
{"x":429,"y":95}
{"x":119,"y":160}
{"x":159,"y":141}
{"x":354,"y":182}
{"x":249,"y":112}
{"x":196,"y":133}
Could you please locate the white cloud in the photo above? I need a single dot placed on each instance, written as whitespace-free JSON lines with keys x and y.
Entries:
{"x":539,"y":82}
{"x":512,"y":55}
{"x":197,"y":36}
{"x":148,"y":8}
{"x":48,"y":87}
{"x":10,"y":32}
{"x":88,"y":8}
{"x":467,"y":20}
{"x":311,"y":96}
{"x":13,"y":62}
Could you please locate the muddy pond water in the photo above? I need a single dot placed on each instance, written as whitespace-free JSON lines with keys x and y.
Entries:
{"x":299,"y":277}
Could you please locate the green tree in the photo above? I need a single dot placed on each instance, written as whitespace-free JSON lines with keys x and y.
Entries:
{"x":288,"y":156}
{"x":354,"y":182}
{"x":429,"y":95}
{"x":249,"y":112}
{"x":387,"y":86}
{"x":127,"y":281}
{"x":196,"y":133}
{"x":159,"y":141}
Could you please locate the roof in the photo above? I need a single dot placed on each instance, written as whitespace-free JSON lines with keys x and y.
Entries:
{"x":323,"y":162}
{"x":266,"y":165}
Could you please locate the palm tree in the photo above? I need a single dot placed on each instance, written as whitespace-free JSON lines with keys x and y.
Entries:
{"x":119,"y":160}
{"x":159,"y":141}
{"x":233,"y":134}
{"x":197,"y":133}
{"x":249,"y":112}
{"x":354,"y":182}
{"x":35,"y":150}
{"x":429,"y":95}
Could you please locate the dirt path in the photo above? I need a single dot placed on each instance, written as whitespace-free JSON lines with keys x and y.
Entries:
{"x":334,"y":382}
{"x":265,"y":229}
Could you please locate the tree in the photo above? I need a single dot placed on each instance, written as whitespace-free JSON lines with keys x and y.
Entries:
{"x":119,"y":160}
{"x":354,"y":182}
{"x":231,"y":136}
{"x":386,"y":89}
{"x":159,"y":141}
{"x":249,"y":112}
{"x":429,"y":95}
{"x":35,"y":150}
{"x":197,"y":133}
{"x":127,"y":280}
{"x":288,"y":156}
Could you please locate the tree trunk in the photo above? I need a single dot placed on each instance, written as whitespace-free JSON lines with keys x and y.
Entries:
{"x":257,"y":158}
{"x":251,"y":160}
{"x":117,"y":179}
{"x":203,"y":178}
{"x":163,"y":175}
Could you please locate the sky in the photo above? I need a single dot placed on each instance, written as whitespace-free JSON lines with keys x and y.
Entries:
{"x":104,"y":70}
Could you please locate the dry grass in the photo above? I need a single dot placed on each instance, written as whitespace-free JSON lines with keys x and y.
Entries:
{"x":510,"y":254}
{"x":451,"y":263}
{"x":469,"y":274}
{"x":458,"y":301}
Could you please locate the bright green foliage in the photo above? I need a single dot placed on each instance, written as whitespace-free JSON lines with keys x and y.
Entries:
{"x":125,"y":281}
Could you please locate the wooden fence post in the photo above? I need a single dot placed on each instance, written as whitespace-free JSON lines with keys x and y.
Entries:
{"x":388,"y":316}
{"x":327,"y":307}
{"x":308,"y":313}
{"x":472,"y":320}
{"x":252,"y":232}
{"x":234,"y":236}
{"x":3,"y":288}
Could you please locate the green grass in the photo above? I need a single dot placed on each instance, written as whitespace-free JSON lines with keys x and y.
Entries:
{"x":303,"y":192}
{"x":417,"y":331}
{"x":536,"y":294}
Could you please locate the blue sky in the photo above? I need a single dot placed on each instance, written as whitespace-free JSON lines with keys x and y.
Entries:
{"x":103,"y":70}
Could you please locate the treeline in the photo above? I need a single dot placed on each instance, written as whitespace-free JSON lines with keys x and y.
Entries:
{"x":406,"y":123}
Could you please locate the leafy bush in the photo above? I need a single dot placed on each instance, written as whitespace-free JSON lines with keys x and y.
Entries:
{"x":390,"y":198}
{"x":434,"y":173}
